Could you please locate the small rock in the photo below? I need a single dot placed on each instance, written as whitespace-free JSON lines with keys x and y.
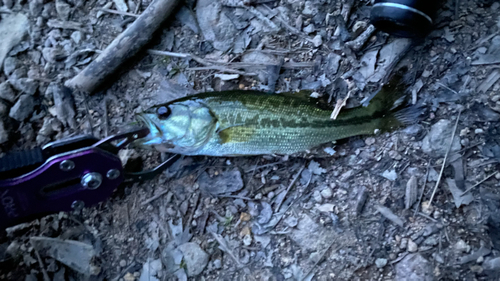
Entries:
{"x":76,"y":36}
{"x":13,"y":27}
{"x":326,"y":193}
{"x":427,"y":208}
{"x":309,"y":9}
{"x":217,"y":264}
{"x":150,"y":270}
{"x":317,"y":196}
{"x":4,"y":133}
{"x":63,"y":102}
{"x":480,"y":260}
{"x":380,"y":262}
{"x":195,"y":258}
{"x":437,"y":141}
{"x":438,"y":258}
{"x":6,"y":92}
{"x":369,"y":141}
{"x":332,"y":63}
{"x":326,"y":208}
{"x":247,"y":240}
{"x":24,"y":85}
{"x":4,"y":109}
{"x":317,"y":41}
{"x":390,"y":175}
{"x":23,"y":108}
{"x":226,"y":182}
{"x":291,"y":221}
{"x":492,"y":264}
{"x":76,"y":255}
{"x":412,"y":246}
{"x":63,"y":9}
{"x":309,"y":29}
{"x":461,"y":246}
{"x":414,"y":267}
{"x":478,"y":131}
{"x":123,"y":263}
{"x":36,"y":7}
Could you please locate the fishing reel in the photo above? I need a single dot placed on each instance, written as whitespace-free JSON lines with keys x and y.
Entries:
{"x":404,"y":18}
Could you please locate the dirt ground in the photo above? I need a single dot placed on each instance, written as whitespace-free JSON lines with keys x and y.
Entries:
{"x":419,"y":203}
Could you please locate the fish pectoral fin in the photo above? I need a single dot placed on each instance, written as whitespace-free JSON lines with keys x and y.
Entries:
{"x":235,"y":133}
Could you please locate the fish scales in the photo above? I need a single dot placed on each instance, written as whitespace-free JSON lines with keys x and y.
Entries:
{"x":237,"y":122}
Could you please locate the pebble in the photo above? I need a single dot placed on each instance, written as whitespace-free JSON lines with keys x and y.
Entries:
{"x":317,"y":196}
{"x":6,"y":92}
{"x":412,"y":246}
{"x":24,"y":85}
{"x":291,"y":221}
{"x":3,"y":109}
{"x":35,"y":7}
{"x":217,"y":264}
{"x":436,"y":142}
{"x":369,"y":141}
{"x":437,"y":257}
{"x":395,"y":155}
{"x":380,"y":262}
{"x":195,"y":258}
{"x":247,"y":240}
{"x":478,"y":131}
{"x":76,"y":36}
{"x":317,"y":41}
{"x":480,"y":259}
{"x":63,"y":9}
{"x":123,"y":263}
{"x":309,"y":9}
{"x":492,"y":264}
{"x":461,"y":246}
{"x":414,"y":267}
{"x":309,"y":29}
{"x":4,"y":133}
{"x":326,"y":193}
{"x":23,"y":108}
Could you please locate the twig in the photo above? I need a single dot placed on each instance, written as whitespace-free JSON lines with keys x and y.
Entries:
{"x":105,"y":117}
{"x":426,"y":216}
{"x":236,"y":197}
{"x":221,"y":68}
{"x":147,"y":201}
{"x":289,"y":187}
{"x":123,"y":47}
{"x":319,"y":259}
{"x":447,"y":88}
{"x":89,"y":116}
{"x":119,"y":12}
{"x":423,"y":189}
{"x":480,"y":182}
{"x":179,"y":55}
{"x":338,"y":106}
{"x":42,"y":266}
{"x":264,"y":166}
{"x":445,"y":158}
{"x":357,"y":43}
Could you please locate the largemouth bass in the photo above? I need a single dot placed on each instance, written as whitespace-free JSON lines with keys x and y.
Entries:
{"x":234,"y":123}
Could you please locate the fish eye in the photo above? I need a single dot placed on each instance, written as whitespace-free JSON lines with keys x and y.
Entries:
{"x":163,"y":112}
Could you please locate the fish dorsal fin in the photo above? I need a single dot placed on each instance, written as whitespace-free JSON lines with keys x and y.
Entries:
{"x":305,"y":96}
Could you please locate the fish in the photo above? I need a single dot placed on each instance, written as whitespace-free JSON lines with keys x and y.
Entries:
{"x":245,"y":122}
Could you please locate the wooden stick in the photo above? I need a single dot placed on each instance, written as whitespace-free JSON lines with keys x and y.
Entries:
{"x":445,"y":158}
{"x":126,"y":45}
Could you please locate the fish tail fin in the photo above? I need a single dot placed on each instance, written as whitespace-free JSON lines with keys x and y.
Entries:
{"x":399,"y":117}
{"x":390,"y":106}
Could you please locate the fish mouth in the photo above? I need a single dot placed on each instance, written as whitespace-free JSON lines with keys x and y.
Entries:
{"x":154,"y":135}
